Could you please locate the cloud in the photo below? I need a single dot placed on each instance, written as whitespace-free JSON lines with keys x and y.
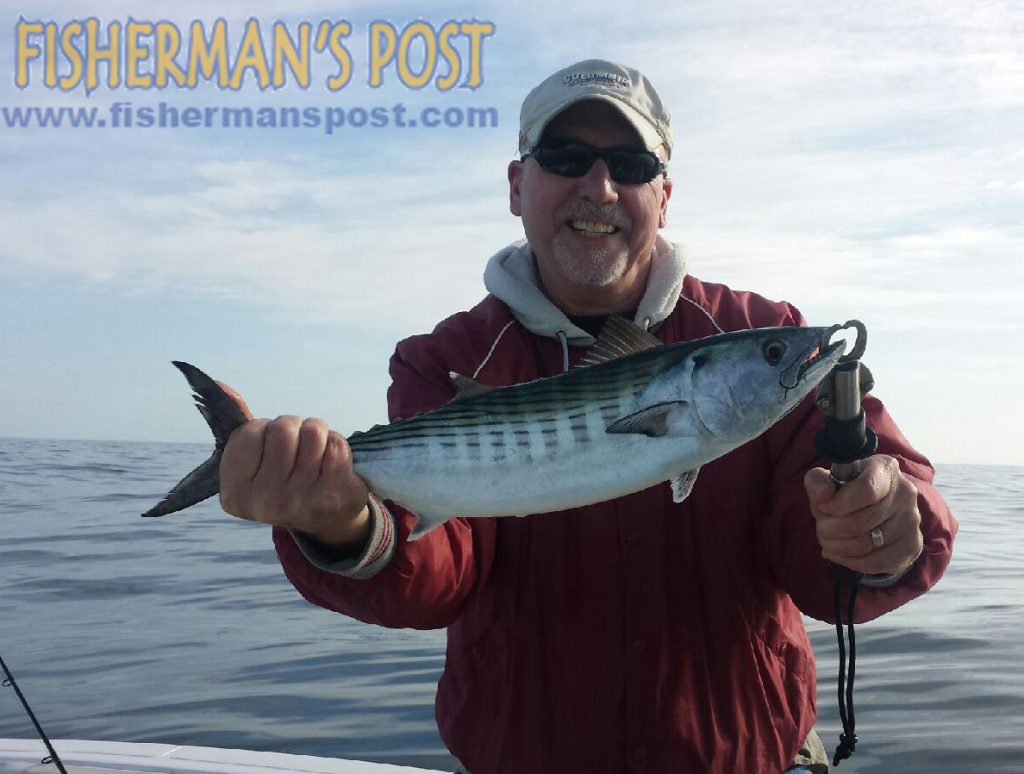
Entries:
{"x":302,"y":240}
{"x":820,"y":152}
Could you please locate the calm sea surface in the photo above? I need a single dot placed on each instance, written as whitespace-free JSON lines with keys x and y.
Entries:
{"x":184,"y":630}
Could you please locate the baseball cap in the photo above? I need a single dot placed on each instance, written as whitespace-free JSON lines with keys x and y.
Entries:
{"x":625,"y":88}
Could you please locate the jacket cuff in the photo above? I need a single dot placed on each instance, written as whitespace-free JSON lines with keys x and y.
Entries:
{"x":375,"y":557}
{"x":881,"y":580}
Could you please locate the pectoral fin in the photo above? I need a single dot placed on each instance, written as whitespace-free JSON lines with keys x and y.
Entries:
{"x":425,"y":522}
{"x":682,"y":484}
{"x":653,"y":421}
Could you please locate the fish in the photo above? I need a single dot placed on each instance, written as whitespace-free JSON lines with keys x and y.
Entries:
{"x":632,"y":414}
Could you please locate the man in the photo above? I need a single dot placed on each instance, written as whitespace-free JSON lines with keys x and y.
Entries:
{"x":634,"y":635}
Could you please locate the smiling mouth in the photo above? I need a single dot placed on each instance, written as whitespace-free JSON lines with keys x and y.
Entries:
{"x":592,"y":228}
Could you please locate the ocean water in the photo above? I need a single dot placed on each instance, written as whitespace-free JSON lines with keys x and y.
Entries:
{"x":184,"y":630}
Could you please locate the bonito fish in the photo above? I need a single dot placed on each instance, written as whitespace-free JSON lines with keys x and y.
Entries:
{"x":634,"y":413}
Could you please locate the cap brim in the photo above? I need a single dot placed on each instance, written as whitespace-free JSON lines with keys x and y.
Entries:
{"x":649,"y":135}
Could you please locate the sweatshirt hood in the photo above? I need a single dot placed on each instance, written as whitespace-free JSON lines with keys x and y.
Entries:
{"x":511,"y":276}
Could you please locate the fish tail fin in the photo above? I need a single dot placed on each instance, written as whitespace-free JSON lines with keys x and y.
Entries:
{"x":201,"y":483}
{"x":223,"y":415}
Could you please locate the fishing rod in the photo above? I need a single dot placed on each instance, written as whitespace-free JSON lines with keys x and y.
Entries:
{"x":53,"y":757}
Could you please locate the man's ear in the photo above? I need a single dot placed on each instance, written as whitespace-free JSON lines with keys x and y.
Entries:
{"x":666,"y":193}
{"x":515,"y":177}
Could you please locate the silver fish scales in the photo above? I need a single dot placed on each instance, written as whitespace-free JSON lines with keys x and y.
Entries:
{"x":637,"y":413}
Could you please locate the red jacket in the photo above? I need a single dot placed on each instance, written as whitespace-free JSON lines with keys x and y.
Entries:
{"x":633,"y":635}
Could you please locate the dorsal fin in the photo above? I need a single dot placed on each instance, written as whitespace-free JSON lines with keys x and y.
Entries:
{"x":357,"y":433}
{"x":465,"y":387}
{"x":619,"y":337}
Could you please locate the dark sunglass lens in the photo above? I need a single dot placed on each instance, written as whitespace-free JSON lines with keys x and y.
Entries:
{"x":632,"y":167}
{"x":568,"y":162}
{"x":624,"y":166}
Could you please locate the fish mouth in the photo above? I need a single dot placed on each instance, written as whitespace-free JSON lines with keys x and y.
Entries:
{"x":809,"y":363}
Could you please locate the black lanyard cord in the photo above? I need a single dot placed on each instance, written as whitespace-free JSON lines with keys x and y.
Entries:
{"x":848,"y":739}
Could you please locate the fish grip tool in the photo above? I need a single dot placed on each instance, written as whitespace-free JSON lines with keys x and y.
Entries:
{"x":845,"y":439}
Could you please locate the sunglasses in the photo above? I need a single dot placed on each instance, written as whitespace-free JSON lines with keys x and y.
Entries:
{"x":575,"y":159}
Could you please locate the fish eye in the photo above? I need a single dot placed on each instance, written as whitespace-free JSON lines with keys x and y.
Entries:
{"x":773,"y":351}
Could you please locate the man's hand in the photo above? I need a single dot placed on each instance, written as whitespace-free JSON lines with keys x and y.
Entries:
{"x":294,"y":473}
{"x":880,"y":500}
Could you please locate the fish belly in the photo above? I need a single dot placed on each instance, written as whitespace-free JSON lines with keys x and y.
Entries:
{"x":500,"y":477}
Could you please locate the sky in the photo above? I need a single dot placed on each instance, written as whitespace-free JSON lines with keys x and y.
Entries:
{"x":859,"y":160}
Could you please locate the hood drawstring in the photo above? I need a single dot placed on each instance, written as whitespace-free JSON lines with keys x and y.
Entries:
{"x":703,"y":311}
{"x":565,"y":350}
{"x":494,"y":346}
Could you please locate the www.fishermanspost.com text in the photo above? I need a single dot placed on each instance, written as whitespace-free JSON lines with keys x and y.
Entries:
{"x":328,"y":119}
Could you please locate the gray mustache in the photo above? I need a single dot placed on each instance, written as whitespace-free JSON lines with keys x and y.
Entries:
{"x":610,"y":213}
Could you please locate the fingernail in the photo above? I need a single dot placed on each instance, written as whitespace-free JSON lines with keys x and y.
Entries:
{"x":820,"y":486}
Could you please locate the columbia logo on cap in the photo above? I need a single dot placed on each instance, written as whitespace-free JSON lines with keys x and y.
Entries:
{"x":611,"y":79}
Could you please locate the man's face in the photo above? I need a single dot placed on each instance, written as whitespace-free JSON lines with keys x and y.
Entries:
{"x":589,"y":231}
